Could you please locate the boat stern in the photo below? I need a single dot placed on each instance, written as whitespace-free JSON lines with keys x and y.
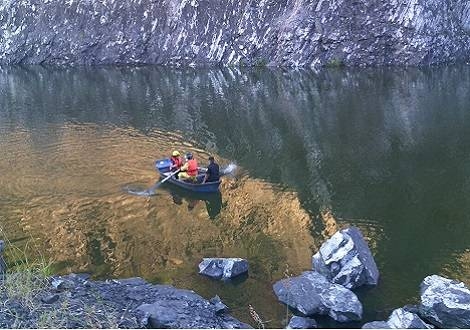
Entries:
{"x":163,"y":165}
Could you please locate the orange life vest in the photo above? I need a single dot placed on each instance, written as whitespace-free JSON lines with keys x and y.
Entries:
{"x":176,"y":162}
{"x":192,"y":167}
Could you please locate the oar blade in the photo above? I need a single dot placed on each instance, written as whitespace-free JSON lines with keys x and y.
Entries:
{"x":142,"y":192}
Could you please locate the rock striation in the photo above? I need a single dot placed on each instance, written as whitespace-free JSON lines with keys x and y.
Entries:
{"x":307,"y":33}
{"x":298,"y":322}
{"x":311,"y":293}
{"x":347,"y":260}
{"x":401,"y":318}
{"x":445,"y":302}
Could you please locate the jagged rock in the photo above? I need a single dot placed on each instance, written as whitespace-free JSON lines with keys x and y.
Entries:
{"x":107,"y":304}
{"x":280,"y":33}
{"x":220,"y":307}
{"x":311,"y":293}
{"x":178,"y":308}
{"x":298,"y":322}
{"x":223,"y":268}
{"x":445,"y":302}
{"x":346,"y":259}
{"x":376,"y":325}
{"x":401,"y":318}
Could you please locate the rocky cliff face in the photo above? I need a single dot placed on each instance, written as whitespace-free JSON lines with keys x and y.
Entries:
{"x":244,"y":32}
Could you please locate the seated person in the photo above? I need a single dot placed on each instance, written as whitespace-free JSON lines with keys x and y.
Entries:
{"x":189,"y":170}
{"x":176,"y":161}
{"x":212,"y":173}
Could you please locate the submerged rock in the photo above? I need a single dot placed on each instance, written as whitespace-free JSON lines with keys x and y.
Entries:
{"x":223,"y":268}
{"x":347,"y":260}
{"x":311,"y":293}
{"x":445,"y":302}
{"x":298,"y":322}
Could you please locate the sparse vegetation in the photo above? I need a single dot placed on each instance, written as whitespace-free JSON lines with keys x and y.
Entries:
{"x":27,"y":282}
{"x":255,"y":316}
{"x":288,"y":275}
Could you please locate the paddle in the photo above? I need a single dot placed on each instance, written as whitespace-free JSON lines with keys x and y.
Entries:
{"x":151,"y":191}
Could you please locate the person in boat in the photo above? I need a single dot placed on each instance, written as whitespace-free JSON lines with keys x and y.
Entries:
{"x":189,"y":170}
{"x":212,"y":173}
{"x":176,"y":161}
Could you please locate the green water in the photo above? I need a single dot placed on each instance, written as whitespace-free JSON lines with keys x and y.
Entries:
{"x":386,"y":150}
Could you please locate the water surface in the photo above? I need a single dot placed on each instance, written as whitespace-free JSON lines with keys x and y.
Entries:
{"x":386,"y":150}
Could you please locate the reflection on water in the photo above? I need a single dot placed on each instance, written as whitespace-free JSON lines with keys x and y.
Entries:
{"x":212,"y":201}
{"x":385,"y":150}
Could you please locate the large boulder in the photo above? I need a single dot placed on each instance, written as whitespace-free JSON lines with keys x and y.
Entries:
{"x":298,"y":322}
{"x":346,"y":259}
{"x":311,"y":293}
{"x":176,"y":308}
{"x":445,"y":302}
{"x":223,"y":268}
{"x":401,"y":318}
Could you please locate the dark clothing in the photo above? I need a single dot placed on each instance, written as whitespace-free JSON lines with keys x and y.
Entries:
{"x":212,"y":172}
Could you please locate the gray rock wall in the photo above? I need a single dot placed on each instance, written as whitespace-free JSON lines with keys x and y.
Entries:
{"x":245,"y":32}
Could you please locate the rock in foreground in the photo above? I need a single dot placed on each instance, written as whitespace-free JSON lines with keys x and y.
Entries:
{"x":346,"y":259}
{"x":298,"y":322}
{"x":127,"y":303}
{"x":445,"y":302}
{"x":177,"y":308}
{"x":223,"y":268}
{"x":399,"y":319}
{"x":376,"y":325}
{"x":311,"y":293}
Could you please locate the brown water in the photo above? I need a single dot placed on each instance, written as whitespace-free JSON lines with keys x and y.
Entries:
{"x":384,"y":150}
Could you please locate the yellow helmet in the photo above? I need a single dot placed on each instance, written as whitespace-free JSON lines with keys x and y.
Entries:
{"x":175,"y":153}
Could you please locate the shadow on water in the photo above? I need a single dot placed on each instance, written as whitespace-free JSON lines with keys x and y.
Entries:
{"x":181,"y":197}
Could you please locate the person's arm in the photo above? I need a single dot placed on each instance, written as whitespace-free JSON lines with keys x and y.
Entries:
{"x":208,"y":172}
{"x":184,"y":167}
